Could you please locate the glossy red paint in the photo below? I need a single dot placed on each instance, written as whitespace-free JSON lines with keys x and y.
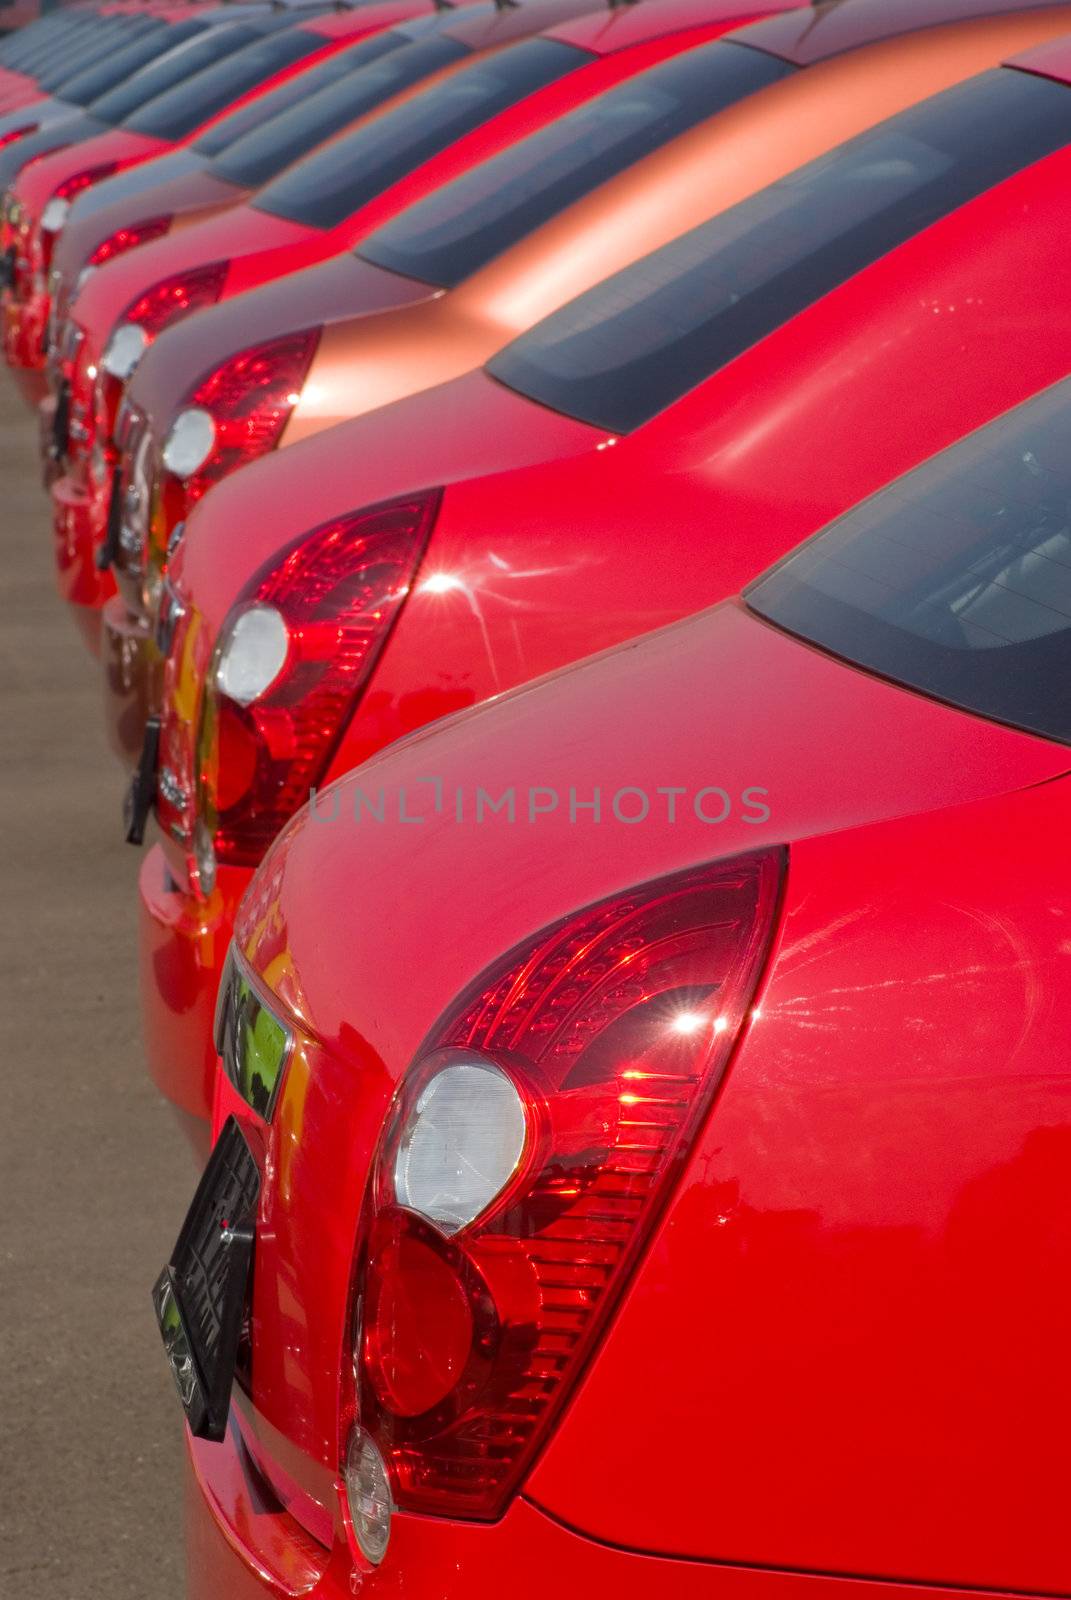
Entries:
{"x":866,"y":1250}
{"x":525,"y":1554}
{"x":766,"y":451}
{"x":259,"y":246}
{"x":26,"y":315}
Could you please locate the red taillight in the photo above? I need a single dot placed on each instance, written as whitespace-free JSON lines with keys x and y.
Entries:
{"x":56,"y":208}
{"x":124,"y":239}
{"x":233,"y":416}
{"x":609,"y":1035}
{"x":329,"y":606}
{"x":249,"y":398}
{"x":176,"y":297}
{"x":17,"y":133}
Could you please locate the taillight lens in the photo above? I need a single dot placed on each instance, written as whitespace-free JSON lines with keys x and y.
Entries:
{"x":124,"y":239}
{"x":233,"y":416}
{"x":176,"y":297}
{"x":289,"y":663}
{"x":240,"y":409}
{"x":17,"y":133}
{"x":56,"y":211}
{"x":500,"y":1227}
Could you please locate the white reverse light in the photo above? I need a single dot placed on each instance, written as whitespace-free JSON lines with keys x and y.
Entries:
{"x":55,"y":214}
{"x":461,"y":1143}
{"x":252,"y":654}
{"x":190,"y":442}
{"x":124,"y":350}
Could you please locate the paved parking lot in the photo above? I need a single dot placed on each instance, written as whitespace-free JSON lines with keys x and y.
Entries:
{"x":93,"y":1175}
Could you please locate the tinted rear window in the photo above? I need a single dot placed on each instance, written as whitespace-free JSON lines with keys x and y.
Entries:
{"x":462,"y":226}
{"x":119,"y":64}
{"x":297,"y":90}
{"x":956,"y":580}
{"x":255,"y":159}
{"x":331,"y":184}
{"x":621,"y":353}
{"x":175,"y":114}
{"x":171,"y":68}
{"x":63,"y":67}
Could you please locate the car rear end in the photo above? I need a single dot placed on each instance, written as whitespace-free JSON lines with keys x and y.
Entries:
{"x":738,"y":1113}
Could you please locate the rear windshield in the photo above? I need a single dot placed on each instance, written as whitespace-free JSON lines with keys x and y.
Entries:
{"x":255,"y":159}
{"x":462,"y":226}
{"x":334,"y":182}
{"x":956,"y":580}
{"x":175,"y":114}
{"x":70,"y":63}
{"x":171,"y":68}
{"x":119,"y":64}
{"x":621,"y":353}
{"x":297,"y":90}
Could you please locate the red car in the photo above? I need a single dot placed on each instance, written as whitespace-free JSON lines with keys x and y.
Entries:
{"x":717,"y":1135}
{"x":713,"y":407}
{"x":470,"y":112}
{"x":44,"y":173}
{"x":278,"y":367}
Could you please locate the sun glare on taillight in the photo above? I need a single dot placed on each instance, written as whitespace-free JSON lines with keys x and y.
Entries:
{"x":124,"y":239}
{"x":526,"y":1157}
{"x":288,"y":665}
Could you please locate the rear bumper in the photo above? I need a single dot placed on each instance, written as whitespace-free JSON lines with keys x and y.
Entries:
{"x":132,"y":678}
{"x":78,"y":527}
{"x":240,"y":1548}
{"x":183,"y":944}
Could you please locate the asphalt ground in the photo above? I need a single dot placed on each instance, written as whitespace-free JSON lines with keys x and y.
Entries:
{"x":94,"y":1175}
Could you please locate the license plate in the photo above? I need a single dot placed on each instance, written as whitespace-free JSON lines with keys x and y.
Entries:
{"x":201,"y":1298}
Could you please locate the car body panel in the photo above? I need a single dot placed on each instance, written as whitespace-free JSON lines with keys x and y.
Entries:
{"x":337,"y":962}
{"x":775,"y":445}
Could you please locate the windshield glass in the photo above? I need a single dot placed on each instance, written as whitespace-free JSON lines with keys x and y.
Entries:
{"x":296,"y":91}
{"x":956,"y":580}
{"x":177,"y":112}
{"x":332,"y":183}
{"x":463,"y":225}
{"x":637,"y":342}
{"x":170,"y":68}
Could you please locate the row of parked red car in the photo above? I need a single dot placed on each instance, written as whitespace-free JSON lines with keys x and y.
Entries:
{"x":573,"y":505}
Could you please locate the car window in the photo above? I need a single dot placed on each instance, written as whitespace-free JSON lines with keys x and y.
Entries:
{"x":634,"y":344}
{"x":332,"y":183}
{"x":297,"y":90}
{"x":169,"y":69}
{"x":177,"y":112}
{"x":55,"y":71}
{"x":955,"y":580}
{"x":463,"y":225}
{"x":254,"y":160}
{"x":118,"y":65}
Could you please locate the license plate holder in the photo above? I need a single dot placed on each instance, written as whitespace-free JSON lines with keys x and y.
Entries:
{"x":202,"y":1296}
